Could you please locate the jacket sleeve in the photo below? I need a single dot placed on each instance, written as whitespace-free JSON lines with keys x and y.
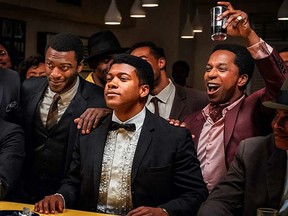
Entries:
{"x":11,"y":155}
{"x":70,"y":187}
{"x":274,"y":72}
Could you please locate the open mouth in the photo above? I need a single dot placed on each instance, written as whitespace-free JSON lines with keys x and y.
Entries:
{"x":212,"y":88}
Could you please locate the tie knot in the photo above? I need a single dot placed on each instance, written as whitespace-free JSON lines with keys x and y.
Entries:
{"x":154,"y":100}
{"x":56,"y":98}
{"x":128,"y":127}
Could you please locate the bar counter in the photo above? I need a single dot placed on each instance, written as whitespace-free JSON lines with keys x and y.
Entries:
{"x":67,"y":212}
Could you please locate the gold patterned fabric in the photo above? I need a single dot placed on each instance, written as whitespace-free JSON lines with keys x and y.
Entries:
{"x":115,"y":184}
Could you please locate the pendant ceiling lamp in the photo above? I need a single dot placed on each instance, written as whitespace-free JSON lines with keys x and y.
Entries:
{"x":197,"y":26}
{"x":113,"y":16}
{"x":136,"y":10}
{"x":283,"y":11}
{"x":187,"y":32}
{"x":150,"y":3}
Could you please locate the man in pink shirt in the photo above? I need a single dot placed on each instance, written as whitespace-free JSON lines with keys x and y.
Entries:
{"x":228,"y":71}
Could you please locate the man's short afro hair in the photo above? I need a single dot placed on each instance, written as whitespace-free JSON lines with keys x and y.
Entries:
{"x":65,"y":42}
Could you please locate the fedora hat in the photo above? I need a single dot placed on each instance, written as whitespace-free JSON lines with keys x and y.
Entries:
{"x":101,"y":44}
{"x":282,"y":100}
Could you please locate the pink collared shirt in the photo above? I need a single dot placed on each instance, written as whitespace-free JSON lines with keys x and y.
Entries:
{"x":211,"y":149}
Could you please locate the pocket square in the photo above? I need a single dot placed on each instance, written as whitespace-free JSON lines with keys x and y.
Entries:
{"x":12,"y":106}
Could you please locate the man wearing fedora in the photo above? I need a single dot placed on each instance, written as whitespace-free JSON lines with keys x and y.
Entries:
{"x":101,"y":48}
{"x":258,"y":175}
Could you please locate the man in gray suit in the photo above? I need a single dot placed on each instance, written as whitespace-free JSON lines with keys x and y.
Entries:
{"x":258,"y":175}
{"x":49,"y":126}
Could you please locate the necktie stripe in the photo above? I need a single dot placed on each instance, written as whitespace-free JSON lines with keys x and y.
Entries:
{"x":52,"y":116}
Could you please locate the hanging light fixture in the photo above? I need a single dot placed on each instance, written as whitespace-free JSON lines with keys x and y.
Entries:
{"x":283,"y":11}
{"x":150,"y":3}
{"x":113,"y":16}
{"x":197,"y":26}
{"x":187,"y":32}
{"x":136,"y":10}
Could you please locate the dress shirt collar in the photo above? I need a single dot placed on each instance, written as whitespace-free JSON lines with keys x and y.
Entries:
{"x":206,"y":109}
{"x":138,"y":119}
{"x":67,"y":96}
{"x":164,"y":95}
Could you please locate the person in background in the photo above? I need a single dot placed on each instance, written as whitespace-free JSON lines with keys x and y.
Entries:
{"x":257,"y":177}
{"x":232,"y":116}
{"x":11,"y":156}
{"x":284,"y":55}
{"x":101,"y":48}
{"x":180,"y":72}
{"x":33,"y":66}
{"x":134,"y":161}
{"x":5,"y":60}
{"x":167,"y":99}
{"x":50,"y":105}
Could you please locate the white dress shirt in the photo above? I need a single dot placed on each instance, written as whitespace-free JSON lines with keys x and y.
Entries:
{"x":166,"y":99}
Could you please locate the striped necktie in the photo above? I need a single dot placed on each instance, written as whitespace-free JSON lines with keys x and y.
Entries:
{"x":52,"y":116}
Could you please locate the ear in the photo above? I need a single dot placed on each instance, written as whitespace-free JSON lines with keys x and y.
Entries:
{"x":80,"y":67}
{"x":161,"y":63}
{"x":144,"y":90}
{"x":242,"y":80}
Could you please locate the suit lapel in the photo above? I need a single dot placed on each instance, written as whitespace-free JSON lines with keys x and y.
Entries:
{"x":78,"y":106}
{"x":143,"y":144}
{"x":33,"y":104}
{"x":196,"y":127}
{"x":178,"y":106}
{"x":275,"y":175}
{"x":97,"y":140}
{"x":230,"y":120}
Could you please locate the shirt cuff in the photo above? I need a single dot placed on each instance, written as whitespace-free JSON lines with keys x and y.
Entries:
{"x":62,"y":199}
{"x":260,"y":50}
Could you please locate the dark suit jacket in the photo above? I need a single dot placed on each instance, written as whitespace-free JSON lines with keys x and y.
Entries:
{"x":11,"y":156}
{"x":165,"y":170}
{"x":9,"y":95}
{"x":187,"y":101}
{"x":33,"y":89}
{"x":255,"y":179}
{"x":249,"y":118}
